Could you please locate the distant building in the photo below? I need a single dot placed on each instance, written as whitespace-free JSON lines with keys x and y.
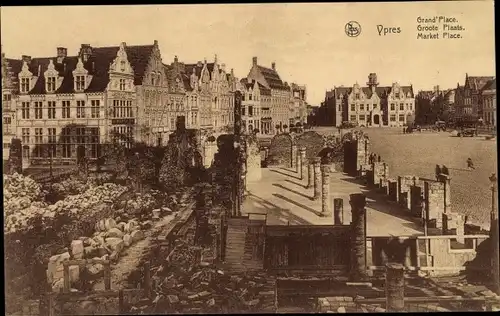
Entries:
{"x":9,"y":91}
{"x":388,"y":106}
{"x":285,"y":105}
{"x":468,"y":98}
{"x":434,"y":105}
{"x":489,"y":103}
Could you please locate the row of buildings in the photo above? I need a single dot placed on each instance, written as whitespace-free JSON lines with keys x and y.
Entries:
{"x":395,"y":106}
{"x":53,"y":104}
{"x":370,"y":105}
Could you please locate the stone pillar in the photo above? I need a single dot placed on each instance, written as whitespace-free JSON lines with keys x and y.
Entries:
{"x":447,"y":191}
{"x":293,"y":159}
{"x":266,"y":151}
{"x":495,"y":242}
{"x":338,"y":211}
{"x":310,"y":175}
{"x":394,"y":287}
{"x":358,"y":271}
{"x":302,"y":163}
{"x":317,"y":178}
{"x":325,"y":190}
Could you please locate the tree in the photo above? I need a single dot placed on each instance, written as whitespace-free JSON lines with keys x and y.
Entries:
{"x":15,"y":161}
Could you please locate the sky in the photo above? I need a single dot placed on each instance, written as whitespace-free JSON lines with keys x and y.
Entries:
{"x":308,"y":42}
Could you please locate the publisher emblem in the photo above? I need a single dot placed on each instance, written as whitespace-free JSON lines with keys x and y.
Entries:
{"x":352,"y":29}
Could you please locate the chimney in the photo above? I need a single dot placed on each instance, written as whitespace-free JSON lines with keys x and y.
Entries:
{"x":26,"y":58}
{"x":62,"y":53}
{"x":254,"y":61}
{"x":86,"y":52}
{"x":273,"y":65}
{"x":155,"y":43}
{"x":176,"y":60}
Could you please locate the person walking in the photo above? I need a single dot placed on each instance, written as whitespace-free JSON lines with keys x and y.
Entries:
{"x":438,"y":172}
{"x":470,"y":164}
{"x":444,"y":170}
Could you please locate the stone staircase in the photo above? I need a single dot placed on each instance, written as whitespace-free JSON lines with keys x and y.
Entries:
{"x":239,"y":247}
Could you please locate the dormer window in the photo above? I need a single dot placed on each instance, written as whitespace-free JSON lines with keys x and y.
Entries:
{"x":397,"y":95}
{"x":122,"y":66}
{"x":122,"y":84}
{"x":80,"y":83}
{"x":25,"y":85}
{"x":357,"y":96}
{"x":51,"y":84}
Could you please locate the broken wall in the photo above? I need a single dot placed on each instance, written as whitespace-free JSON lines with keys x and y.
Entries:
{"x":280,"y":151}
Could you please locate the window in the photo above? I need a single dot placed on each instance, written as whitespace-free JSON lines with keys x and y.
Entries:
{"x":357,"y":96}
{"x":38,"y":110}
{"x":172,"y":123}
{"x":361,"y":117}
{"x":411,"y":107}
{"x":397,"y":95}
{"x":38,"y":143}
{"x":51,"y":84}
{"x":7,"y":121}
{"x":25,"y":136}
{"x":402,"y":107}
{"x":122,"y":66}
{"x":80,"y":109}
{"x":353,"y":107}
{"x":66,"y":109}
{"x":243,"y":110}
{"x":353,"y":117}
{"x":6,"y":145}
{"x":122,"y":84}
{"x":393,"y":107}
{"x":250,"y":97}
{"x":51,"y":109}
{"x":66,"y":143}
{"x":361,"y":107}
{"x":250,"y":111}
{"x":401,"y":118}
{"x":393,"y":118}
{"x":6,"y":103}
{"x":94,"y":142}
{"x":95,"y":110}
{"x":340,"y":107}
{"x":51,"y":141}
{"x":129,"y":112}
{"x":80,"y":83}
{"x":25,"y":85}
{"x":375,"y":106}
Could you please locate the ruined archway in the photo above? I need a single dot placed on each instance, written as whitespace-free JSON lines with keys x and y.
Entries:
{"x":280,"y":151}
{"x":312,"y":141}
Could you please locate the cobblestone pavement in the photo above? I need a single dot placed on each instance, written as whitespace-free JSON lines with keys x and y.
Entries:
{"x":283,"y":197}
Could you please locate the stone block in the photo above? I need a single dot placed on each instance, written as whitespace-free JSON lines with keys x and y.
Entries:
{"x":127,"y":239}
{"x":115,"y":244}
{"x":137,"y":235}
{"x":77,"y":249}
{"x":115,"y":232}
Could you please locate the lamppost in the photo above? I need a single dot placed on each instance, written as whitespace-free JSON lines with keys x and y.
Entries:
{"x":495,"y":261}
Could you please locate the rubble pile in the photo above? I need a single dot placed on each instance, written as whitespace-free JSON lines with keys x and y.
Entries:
{"x":20,"y":192}
{"x":19,"y":216}
{"x":107,"y":243}
{"x":184,"y":284}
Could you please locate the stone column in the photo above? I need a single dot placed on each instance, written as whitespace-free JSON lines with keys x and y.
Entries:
{"x":302,"y":163}
{"x":447,"y":191}
{"x":338,"y":211}
{"x":358,"y":271}
{"x":317,"y":178}
{"x":310,"y":175}
{"x":293,"y":160}
{"x":394,"y":287}
{"x":266,"y":150}
{"x":325,"y":190}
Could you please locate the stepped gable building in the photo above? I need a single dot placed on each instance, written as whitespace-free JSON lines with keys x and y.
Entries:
{"x":285,"y":106}
{"x":489,"y":103}
{"x":372,"y":105}
{"x":10,"y":67}
{"x":203,"y":92}
{"x":65,"y":101}
{"x":256,"y":107}
{"x":468,"y":101}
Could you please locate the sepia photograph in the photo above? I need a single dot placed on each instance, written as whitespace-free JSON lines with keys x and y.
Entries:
{"x":250,"y":158}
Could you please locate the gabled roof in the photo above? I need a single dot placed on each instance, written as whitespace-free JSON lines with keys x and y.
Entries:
{"x":272,"y":78}
{"x":490,"y":85}
{"x":97,"y":65}
{"x":477,"y":82}
{"x":380,"y":91}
